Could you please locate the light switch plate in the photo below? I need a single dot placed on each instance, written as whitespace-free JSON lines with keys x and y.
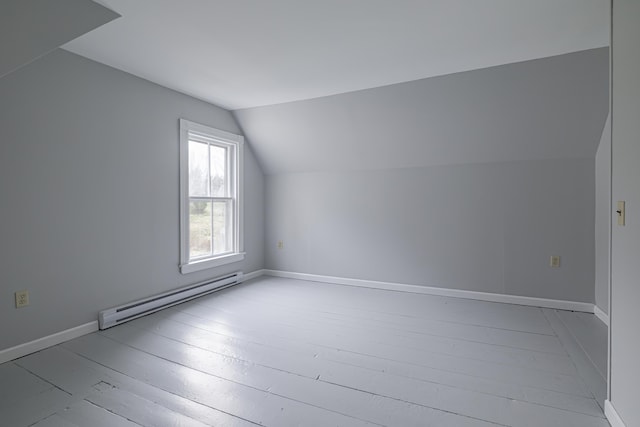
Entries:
{"x":554,"y":261}
{"x":620,"y":212}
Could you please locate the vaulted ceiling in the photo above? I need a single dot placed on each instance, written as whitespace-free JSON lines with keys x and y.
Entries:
{"x":247,"y":53}
{"x":357,"y":84}
{"x":550,"y":108}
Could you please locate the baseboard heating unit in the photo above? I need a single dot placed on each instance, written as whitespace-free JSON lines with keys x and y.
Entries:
{"x":117,"y":315}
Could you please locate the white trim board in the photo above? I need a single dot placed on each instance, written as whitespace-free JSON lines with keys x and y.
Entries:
{"x":601,"y":315}
{"x":48,"y":341}
{"x":612,"y":415}
{"x":430,"y":290}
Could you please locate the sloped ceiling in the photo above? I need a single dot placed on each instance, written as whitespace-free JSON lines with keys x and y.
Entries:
{"x":362,"y":84}
{"x":32,"y":28}
{"x":248,"y":53}
{"x":542,"y":109}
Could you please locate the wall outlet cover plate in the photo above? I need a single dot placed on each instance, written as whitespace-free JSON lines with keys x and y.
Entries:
{"x":22,"y":299}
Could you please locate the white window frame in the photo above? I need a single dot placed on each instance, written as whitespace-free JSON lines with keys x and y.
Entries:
{"x":236,"y":142}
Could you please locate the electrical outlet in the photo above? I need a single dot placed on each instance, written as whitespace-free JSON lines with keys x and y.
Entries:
{"x":22,"y":299}
{"x":554,"y":261}
{"x":280,"y":244}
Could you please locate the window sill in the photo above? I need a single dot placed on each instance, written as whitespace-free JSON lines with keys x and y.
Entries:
{"x":211,"y":263}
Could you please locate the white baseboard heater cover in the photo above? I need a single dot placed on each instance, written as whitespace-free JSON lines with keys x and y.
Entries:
{"x":117,"y":315}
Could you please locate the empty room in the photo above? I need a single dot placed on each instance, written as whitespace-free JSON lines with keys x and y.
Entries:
{"x":319,"y":213}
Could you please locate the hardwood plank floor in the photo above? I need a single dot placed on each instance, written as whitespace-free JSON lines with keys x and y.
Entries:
{"x":584,"y":337}
{"x":283,"y":352}
{"x":589,"y":332}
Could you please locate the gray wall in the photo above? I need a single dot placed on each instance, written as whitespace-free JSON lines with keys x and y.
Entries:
{"x":485,"y":227}
{"x":625,"y":250}
{"x":603,"y":217}
{"x":89,"y":189}
{"x":466,"y":181}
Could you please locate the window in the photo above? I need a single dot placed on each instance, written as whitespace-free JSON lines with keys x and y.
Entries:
{"x":210,"y":197}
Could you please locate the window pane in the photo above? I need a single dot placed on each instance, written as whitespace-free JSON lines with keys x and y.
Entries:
{"x":199,"y":228}
{"x":222,"y":227}
{"x":198,"y":169}
{"x":218,"y":171}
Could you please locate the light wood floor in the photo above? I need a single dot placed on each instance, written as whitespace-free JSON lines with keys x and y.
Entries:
{"x":282,"y":352}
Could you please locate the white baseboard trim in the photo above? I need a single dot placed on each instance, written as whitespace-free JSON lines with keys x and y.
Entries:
{"x":601,"y":315}
{"x":612,"y":415}
{"x":253,"y":275}
{"x":48,"y":341}
{"x":430,"y":290}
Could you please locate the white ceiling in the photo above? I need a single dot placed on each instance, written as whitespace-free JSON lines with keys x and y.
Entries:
{"x":247,"y":53}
